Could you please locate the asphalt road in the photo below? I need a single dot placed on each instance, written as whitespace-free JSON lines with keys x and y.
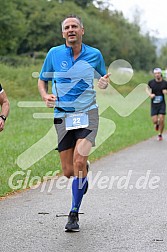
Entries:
{"x":125,"y":208}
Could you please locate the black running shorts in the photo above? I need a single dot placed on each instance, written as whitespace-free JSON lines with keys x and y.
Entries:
{"x":158,"y":109}
{"x":67,"y":138}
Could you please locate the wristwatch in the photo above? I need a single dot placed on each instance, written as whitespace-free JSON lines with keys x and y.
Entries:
{"x":3,"y":117}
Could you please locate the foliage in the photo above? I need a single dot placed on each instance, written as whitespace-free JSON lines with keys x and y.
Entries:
{"x":162,"y":59}
{"x":27,"y":27}
{"x":12,"y":27}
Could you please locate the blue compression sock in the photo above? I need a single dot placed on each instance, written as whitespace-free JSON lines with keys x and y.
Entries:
{"x":78,"y":189}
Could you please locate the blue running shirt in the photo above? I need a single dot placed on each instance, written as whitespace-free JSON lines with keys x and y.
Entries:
{"x":72,"y":80}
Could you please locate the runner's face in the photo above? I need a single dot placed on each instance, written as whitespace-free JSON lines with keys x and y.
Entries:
{"x":158,"y":76}
{"x":72,"y":31}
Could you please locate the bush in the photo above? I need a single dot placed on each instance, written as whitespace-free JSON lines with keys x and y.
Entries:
{"x":23,"y":60}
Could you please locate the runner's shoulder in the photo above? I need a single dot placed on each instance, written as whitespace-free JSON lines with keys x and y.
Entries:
{"x":92,"y":49}
{"x":151,"y":82}
{"x":56,"y":49}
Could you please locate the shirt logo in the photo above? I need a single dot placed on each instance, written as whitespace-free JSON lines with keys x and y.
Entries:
{"x":64,"y":64}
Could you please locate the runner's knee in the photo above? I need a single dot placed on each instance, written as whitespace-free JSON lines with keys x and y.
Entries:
{"x":79,"y":165}
{"x":161,"y":120}
{"x":67,"y":172}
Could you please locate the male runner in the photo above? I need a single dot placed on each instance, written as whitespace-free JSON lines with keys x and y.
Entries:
{"x":156,"y":90}
{"x":72,"y":68}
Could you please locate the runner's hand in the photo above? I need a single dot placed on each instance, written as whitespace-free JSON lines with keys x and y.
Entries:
{"x":2,"y":124}
{"x":103,"y":81}
{"x":50,"y":100}
{"x":152,"y":96}
{"x":164,"y":91}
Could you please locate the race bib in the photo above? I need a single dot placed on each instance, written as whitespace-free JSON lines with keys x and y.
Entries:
{"x":158,"y":99}
{"x":76,"y":121}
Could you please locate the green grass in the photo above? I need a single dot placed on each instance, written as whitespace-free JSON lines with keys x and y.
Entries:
{"x":18,"y":82}
{"x":22,"y":130}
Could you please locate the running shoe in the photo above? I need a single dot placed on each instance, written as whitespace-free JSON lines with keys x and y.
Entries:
{"x":72,"y":224}
{"x":159,"y":137}
{"x":87,"y":167}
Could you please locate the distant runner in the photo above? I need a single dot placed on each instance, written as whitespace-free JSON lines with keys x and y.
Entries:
{"x":156,"y":90}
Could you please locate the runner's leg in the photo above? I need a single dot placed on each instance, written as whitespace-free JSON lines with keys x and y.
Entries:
{"x":155,"y":119}
{"x":79,"y":184}
{"x":66,"y":158}
{"x":161,"y":123}
{"x":80,"y":172}
{"x":155,"y":122}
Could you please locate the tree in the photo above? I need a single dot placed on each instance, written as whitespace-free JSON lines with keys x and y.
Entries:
{"x":83,"y":3}
{"x":162,"y":59}
{"x":27,"y":26}
{"x":12,"y":27}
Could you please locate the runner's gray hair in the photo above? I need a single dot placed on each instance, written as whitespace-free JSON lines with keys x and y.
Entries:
{"x":72,"y":16}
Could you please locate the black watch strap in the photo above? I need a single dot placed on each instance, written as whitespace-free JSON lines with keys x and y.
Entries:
{"x":3,"y":117}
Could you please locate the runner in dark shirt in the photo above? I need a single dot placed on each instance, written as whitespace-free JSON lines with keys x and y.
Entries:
{"x":156,"y":90}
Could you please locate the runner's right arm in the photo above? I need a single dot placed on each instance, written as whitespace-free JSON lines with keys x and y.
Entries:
{"x":43,"y":90}
{"x":149,"y":92}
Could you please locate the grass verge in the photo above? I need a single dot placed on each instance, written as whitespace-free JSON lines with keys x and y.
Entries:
{"x":22,"y":130}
